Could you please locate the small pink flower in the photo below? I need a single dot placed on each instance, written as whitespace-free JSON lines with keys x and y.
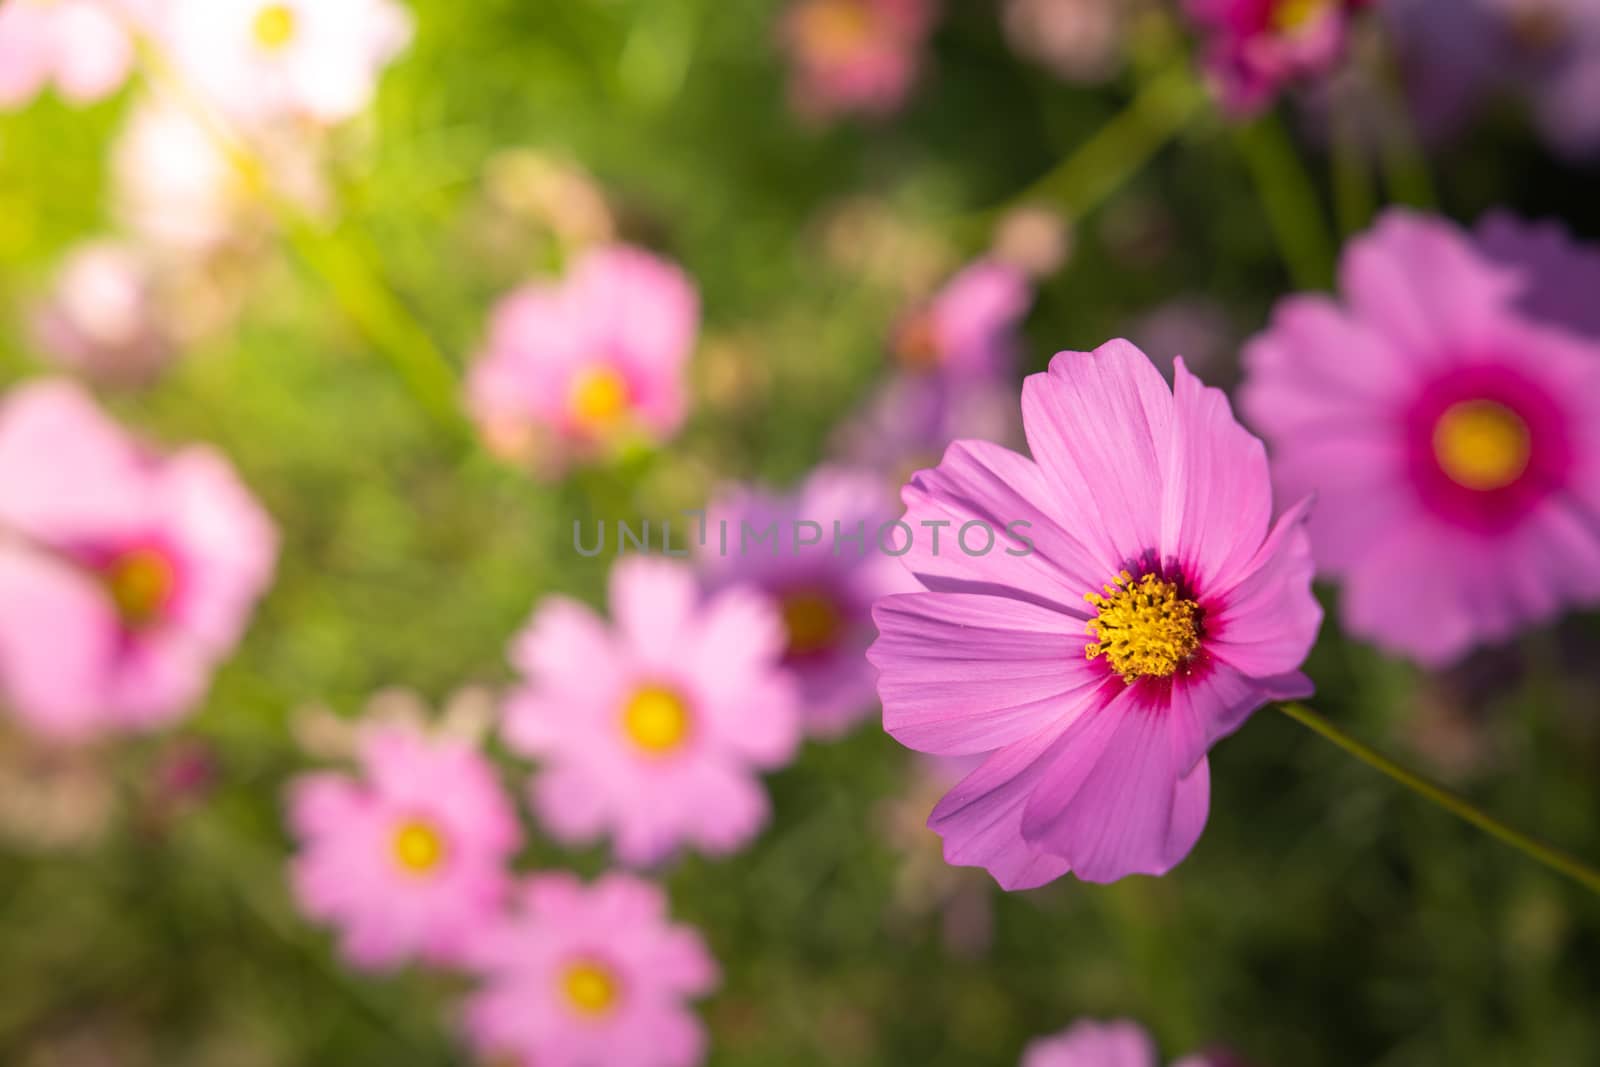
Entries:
{"x":1119,"y":1043}
{"x":81,"y":45}
{"x":266,"y":59}
{"x":654,"y":728}
{"x":1253,"y":48}
{"x":593,"y":363}
{"x":855,"y":55}
{"x":125,"y":577}
{"x":968,"y":330}
{"x":1147,"y":607}
{"x":410,"y":860}
{"x":825,"y":596}
{"x":582,"y":976}
{"x":1453,"y":439}
{"x":104,"y":316}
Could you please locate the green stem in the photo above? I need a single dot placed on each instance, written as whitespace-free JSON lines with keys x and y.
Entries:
{"x":1290,"y":201}
{"x":1104,"y":163}
{"x":1352,"y":179}
{"x":1451,"y":802}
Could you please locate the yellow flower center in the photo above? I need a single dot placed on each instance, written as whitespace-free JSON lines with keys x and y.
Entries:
{"x":1144,"y":628}
{"x":1290,"y":16}
{"x":836,"y":29}
{"x":141,"y":583}
{"x":812,"y":621}
{"x":1481,"y":444}
{"x":418,"y":847}
{"x":656,"y":719}
{"x":599,"y":398}
{"x":590,"y":988}
{"x":274,"y":26}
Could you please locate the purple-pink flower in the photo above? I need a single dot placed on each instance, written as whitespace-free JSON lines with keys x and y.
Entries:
{"x":1117,"y":1043}
{"x":1253,"y":48}
{"x":408,"y":860}
{"x":125,"y":575}
{"x":1453,"y":439}
{"x":82,"y":46}
{"x":855,"y":55}
{"x":1148,"y":605}
{"x":578,"y":369}
{"x":654,"y":729}
{"x":793,"y":548}
{"x":969,"y":329}
{"x":580,"y":976}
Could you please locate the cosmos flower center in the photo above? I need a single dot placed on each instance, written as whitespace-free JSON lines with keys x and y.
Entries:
{"x":836,"y":29}
{"x":656,"y":719}
{"x":1481,"y":444}
{"x":590,"y":988}
{"x":418,"y":847}
{"x":274,"y":26}
{"x":1290,"y":16}
{"x":599,"y":397}
{"x":1144,"y":627}
{"x":813,"y":622}
{"x":141,"y":583}
{"x":916,"y":343}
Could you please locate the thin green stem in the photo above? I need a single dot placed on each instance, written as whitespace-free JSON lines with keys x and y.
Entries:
{"x":1353,"y":197}
{"x":1108,"y":159}
{"x":1451,"y":802}
{"x":1290,"y":200}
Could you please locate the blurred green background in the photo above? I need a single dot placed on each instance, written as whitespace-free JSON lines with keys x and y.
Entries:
{"x":1326,"y":918}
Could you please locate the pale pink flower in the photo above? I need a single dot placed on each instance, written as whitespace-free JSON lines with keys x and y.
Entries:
{"x":855,"y":55}
{"x":1119,"y":1043}
{"x":591,"y":364}
{"x":82,"y":46}
{"x":654,"y":728}
{"x":125,"y":576}
{"x":103,"y":317}
{"x":268,"y":59}
{"x":969,"y":329}
{"x":582,"y":976}
{"x":408,"y":861}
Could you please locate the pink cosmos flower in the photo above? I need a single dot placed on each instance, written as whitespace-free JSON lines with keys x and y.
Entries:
{"x":1119,"y":1043}
{"x":410,"y":860}
{"x":104,"y":317}
{"x":968,"y":330}
{"x":854,"y":55}
{"x":267,"y":59}
{"x":592,"y":363}
{"x":80,"y":45}
{"x":1148,"y":607}
{"x":582,"y":976}
{"x":825,"y":595}
{"x":909,"y":422}
{"x":125,"y":576}
{"x":1453,"y":439}
{"x":1253,"y":48}
{"x":654,"y":728}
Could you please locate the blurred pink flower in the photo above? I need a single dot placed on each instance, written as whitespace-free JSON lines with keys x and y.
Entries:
{"x":654,"y":728}
{"x":268,"y":59}
{"x":1079,"y":40}
{"x":1561,"y":275}
{"x":408,"y":861}
{"x":124,"y":576}
{"x":825,"y":596}
{"x":1453,"y":440}
{"x":594,"y":362}
{"x":104,"y":318}
{"x":582,"y":976}
{"x":1154,"y":606}
{"x":912,"y":419}
{"x":1118,"y":1043}
{"x":854,"y":55}
{"x":1253,"y":48}
{"x":83,"y":46}
{"x":969,"y":329}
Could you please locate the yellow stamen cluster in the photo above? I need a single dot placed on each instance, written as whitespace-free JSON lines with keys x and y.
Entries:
{"x":274,"y":26}
{"x":599,"y":398}
{"x":1481,"y":444}
{"x":656,"y":719}
{"x":836,"y":29}
{"x":590,"y":988}
{"x":418,"y":847}
{"x":1144,"y":627}
{"x":1289,"y":16}
{"x":140,"y":582}
{"x":812,"y":621}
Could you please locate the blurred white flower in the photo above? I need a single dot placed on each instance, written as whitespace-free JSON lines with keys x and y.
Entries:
{"x":1079,"y":40}
{"x":269,"y":59}
{"x":103,"y":316}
